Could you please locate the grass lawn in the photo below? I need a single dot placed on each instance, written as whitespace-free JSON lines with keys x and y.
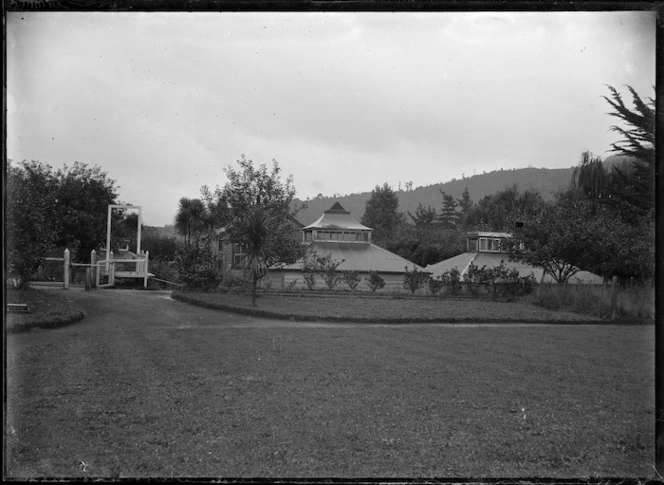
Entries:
{"x":48,"y":309}
{"x":375,"y":308}
{"x":117,"y":396}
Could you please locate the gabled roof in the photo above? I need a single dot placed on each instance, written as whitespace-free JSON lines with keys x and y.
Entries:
{"x":336,"y":217}
{"x":491,"y":260}
{"x":362,"y":257}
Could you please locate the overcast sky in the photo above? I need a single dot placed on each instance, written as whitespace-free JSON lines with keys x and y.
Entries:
{"x":343,"y":101}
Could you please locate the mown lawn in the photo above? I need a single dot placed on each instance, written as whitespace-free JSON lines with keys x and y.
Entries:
{"x":383,"y":309}
{"x":139,"y":398}
{"x":48,"y":308}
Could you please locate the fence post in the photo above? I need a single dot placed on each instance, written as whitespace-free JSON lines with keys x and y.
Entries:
{"x":95,"y":270}
{"x":111,"y":269}
{"x":88,"y":278}
{"x":145,"y":270}
{"x":66,"y":272}
{"x":614,"y":297}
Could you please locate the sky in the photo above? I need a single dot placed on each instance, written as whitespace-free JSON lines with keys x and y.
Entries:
{"x":163,"y":102}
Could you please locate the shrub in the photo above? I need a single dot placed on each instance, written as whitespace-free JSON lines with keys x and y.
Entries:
{"x":352,"y":279}
{"x":436,"y":284}
{"x":451,"y":280}
{"x":327,"y":268}
{"x":198,"y":268}
{"x":291,"y":286}
{"x":415,"y":279}
{"x":375,"y":281}
{"x":310,"y":280}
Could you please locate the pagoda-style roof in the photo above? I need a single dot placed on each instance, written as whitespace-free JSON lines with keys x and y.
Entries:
{"x":336,"y":217}
{"x":361,"y":257}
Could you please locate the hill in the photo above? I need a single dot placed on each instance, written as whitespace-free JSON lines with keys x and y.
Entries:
{"x":545,"y":181}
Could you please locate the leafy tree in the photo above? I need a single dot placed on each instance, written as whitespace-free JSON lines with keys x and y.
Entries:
{"x":30,"y":215}
{"x":381,"y":214}
{"x":255,"y":208}
{"x":414,"y":279}
{"x":83,"y":195}
{"x":160,"y":247}
{"x":591,"y":177}
{"x":425,"y":220}
{"x":570,"y":235}
{"x":375,"y":281}
{"x":496,"y":212}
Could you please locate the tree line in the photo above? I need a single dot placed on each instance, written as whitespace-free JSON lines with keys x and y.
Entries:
{"x":604,"y":222}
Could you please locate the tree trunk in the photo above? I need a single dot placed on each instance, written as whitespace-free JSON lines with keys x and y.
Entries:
{"x":254,"y":284}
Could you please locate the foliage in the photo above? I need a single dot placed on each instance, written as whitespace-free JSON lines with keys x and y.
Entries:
{"x":414,"y":279}
{"x":327,"y":268}
{"x":451,"y":280}
{"x":198,"y":268}
{"x":435,"y":285}
{"x":249,"y":188}
{"x":425,"y":220}
{"x":374,"y":281}
{"x":310,"y":280}
{"x":634,"y":302}
{"x":498,"y":211}
{"x":591,"y":177}
{"x":30,"y":212}
{"x":291,"y":285}
{"x":498,"y":281}
{"x":160,"y":247}
{"x":381,"y":214}
{"x":82,"y":197}
{"x":635,"y":185}
{"x":254,"y":207}
{"x":352,"y":278}
{"x":449,"y":217}
{"x":574,"y":234}
{"x":193,"y":221}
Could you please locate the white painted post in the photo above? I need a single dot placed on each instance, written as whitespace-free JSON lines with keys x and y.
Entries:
{"x":95,"y":270}
{"x":111,"y":270}
{"x":66,"y":273}
{"x":138,"y":237}
{"x":108,"y":236}
{"x":145,"y":269}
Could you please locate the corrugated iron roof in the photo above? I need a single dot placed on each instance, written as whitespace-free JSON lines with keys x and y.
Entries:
{"x":491,"y":260}
{"x":336,"y":217}
{"x":360,"y":257}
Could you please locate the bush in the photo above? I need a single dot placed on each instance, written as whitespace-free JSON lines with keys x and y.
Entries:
{"x":198,"y":268}
{"x":352,"y":279}
{"x":632,"y":302}
{"x":436,"y":284}
{"x":415,"y":279}
{"x":375,"y":281}
{"x":310,"y":280}
{"x":451,"y":280}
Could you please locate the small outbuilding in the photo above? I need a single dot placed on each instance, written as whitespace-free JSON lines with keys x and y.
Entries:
{"x":489,"y":249}
{"x":336,"y":233}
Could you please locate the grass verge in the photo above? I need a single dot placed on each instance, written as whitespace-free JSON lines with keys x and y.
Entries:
{"x":48,"y":309}
{"x":382,"y":310}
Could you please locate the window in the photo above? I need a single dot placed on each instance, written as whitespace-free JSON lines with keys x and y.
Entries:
{"x":472,"y":244}
{"x":239,"y":255}
{"x":483,"y":243}
{"x":308,"y":236}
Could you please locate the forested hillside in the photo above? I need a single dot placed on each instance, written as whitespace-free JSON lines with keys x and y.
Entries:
{"x":545,"y":181}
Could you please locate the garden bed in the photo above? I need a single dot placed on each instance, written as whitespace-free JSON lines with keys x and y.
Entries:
{"x":374,"y":309}
{"x":47,"y":309}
